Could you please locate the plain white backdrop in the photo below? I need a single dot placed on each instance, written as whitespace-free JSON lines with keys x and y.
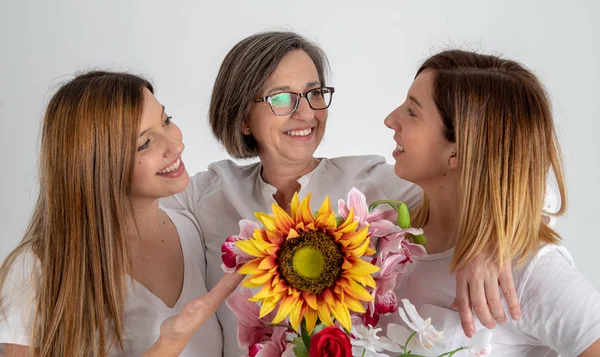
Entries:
{"x":374,"y":52}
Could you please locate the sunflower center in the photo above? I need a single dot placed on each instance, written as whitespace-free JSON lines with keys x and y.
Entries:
{"x":310,"y":262}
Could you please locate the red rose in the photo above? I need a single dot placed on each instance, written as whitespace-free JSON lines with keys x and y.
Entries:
{"x":330,"y":342}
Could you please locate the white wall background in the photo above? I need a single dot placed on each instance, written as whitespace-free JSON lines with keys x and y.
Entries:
{"x":374,"y":51}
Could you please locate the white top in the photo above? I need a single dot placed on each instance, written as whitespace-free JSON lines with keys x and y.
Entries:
{"x":560,"y":309}
{"x":226,"y":193}
{"x":144,"y":312}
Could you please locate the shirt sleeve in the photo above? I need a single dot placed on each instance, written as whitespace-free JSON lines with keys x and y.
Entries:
{"x":19,"y":295}
{"x":561,"y":309}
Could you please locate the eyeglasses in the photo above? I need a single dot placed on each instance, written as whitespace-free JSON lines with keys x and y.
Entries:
{"x":287,"y":102}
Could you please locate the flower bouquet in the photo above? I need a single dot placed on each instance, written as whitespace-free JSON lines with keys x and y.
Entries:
{"x":319,"y":281}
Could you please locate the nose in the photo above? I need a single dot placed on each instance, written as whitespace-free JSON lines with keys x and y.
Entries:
{"x":304,"y":110}
{"x":174,"y":146}
{"x":392,"y":121}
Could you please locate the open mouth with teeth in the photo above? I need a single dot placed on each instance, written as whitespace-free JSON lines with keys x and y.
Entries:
{"x":399,"y":148}
{"x":171,"y":168}
{"x":304,"y":132}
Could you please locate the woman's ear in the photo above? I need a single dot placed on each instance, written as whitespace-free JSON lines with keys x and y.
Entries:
{"x":246,"y":129}
{"x":453,"y":159}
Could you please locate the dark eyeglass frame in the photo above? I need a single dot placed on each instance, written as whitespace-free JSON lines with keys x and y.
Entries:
{"x":299,"y":96}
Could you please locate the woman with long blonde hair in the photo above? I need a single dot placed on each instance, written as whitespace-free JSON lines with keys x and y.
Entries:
{"x":101,"y":266}
{"x":476,"y":133}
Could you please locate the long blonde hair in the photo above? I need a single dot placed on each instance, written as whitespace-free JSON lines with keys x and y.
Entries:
{"x":77,"y":231}
{"x":499,"y":115}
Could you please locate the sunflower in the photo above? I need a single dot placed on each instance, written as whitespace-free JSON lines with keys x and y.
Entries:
{"x":309,"y":266}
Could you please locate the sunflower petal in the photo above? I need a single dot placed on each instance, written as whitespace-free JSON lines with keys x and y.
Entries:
{"x":361,"y":250}
{"x":349,"y":224}
{"x":253,"y":247}
{"x":356,"y":239}
{"x":311,"y":319}
{"x":325,"y":208}
{"x":328,"y":297}
{"x":341,"y":313}
{"x":251,"y":267}
{"x":266,"y":220}
{"x":292,"y":234}
{"x":264,"y":293}
{"x":267,"y":306}
{"x":356,"y":291}
{"x":354,"y":305}
{"x":361,"y":267}
{"x":284,"y":309}
{"x":311,"y":300}
{"x":260,"y":278}
{"x":304,"y":214}
{"x":294,"y":205}
{"x":296,"y":314}
{"x":283,"y":221}
{"x":267,"y":263}
{"x":324,"y":314}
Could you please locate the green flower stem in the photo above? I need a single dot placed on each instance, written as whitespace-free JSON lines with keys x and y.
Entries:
{"x":282,"y":325}
{"x":408,"y":340}
{"x":304,"y":334}
{"x":451,"y":353}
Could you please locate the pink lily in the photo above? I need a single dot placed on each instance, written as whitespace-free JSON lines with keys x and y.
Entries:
{"x":233,"y":257}
{"x":275,"y":347}
{"x":358,"y":203}
{"x":393,"y":259}
{"x":251,"y":329}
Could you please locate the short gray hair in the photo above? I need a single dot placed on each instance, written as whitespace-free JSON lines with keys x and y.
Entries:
{"x":242,"y":76}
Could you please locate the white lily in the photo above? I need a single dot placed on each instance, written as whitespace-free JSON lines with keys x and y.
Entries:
{"x":365,"y":342}
{"x":480,"y":343}
{"x":428,"y":336}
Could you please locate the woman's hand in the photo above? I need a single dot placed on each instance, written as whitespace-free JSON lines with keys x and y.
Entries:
{"x":176,"y":331}
{"x":477,"y":290}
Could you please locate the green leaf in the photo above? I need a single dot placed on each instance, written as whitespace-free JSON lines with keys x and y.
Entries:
{"x":403,"y":216}
{"x":299,"y":349}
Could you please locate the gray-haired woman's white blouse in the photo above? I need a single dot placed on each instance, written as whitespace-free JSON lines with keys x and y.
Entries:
{"x":226,"y":193}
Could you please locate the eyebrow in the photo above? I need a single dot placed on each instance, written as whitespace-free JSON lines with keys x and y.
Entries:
{"x":416,"y":101}
{"x":287,"y":88}
{"x":161,"y":115}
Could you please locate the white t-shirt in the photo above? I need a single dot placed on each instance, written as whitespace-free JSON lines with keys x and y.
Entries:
{"x":144,"y":312}
{"x":226,"y":193}
{"x":560,"y":309}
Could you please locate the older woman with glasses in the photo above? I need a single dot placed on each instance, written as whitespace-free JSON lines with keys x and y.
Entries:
{"x":270,"y":100}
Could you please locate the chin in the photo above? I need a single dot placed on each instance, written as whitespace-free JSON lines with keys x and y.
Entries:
{"x":402,"y":172}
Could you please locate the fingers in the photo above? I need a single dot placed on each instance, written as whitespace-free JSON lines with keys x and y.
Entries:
{"x":508,"y":290}
{"x":479,"y":302}
{"x":228,"y":283}
{"x":196,"y":312}
{"x":462,"y":303}
{"x":494,"y":302}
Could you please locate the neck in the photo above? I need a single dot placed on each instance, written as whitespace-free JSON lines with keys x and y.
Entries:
{"x":284,"y":175}
{"x":146,"y":216}
{"x":441,"y":227}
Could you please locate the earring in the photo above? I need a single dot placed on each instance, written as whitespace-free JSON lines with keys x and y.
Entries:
{"x":247,"y":130}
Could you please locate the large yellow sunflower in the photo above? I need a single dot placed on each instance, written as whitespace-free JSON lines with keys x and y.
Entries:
{"x":309,"y":265}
